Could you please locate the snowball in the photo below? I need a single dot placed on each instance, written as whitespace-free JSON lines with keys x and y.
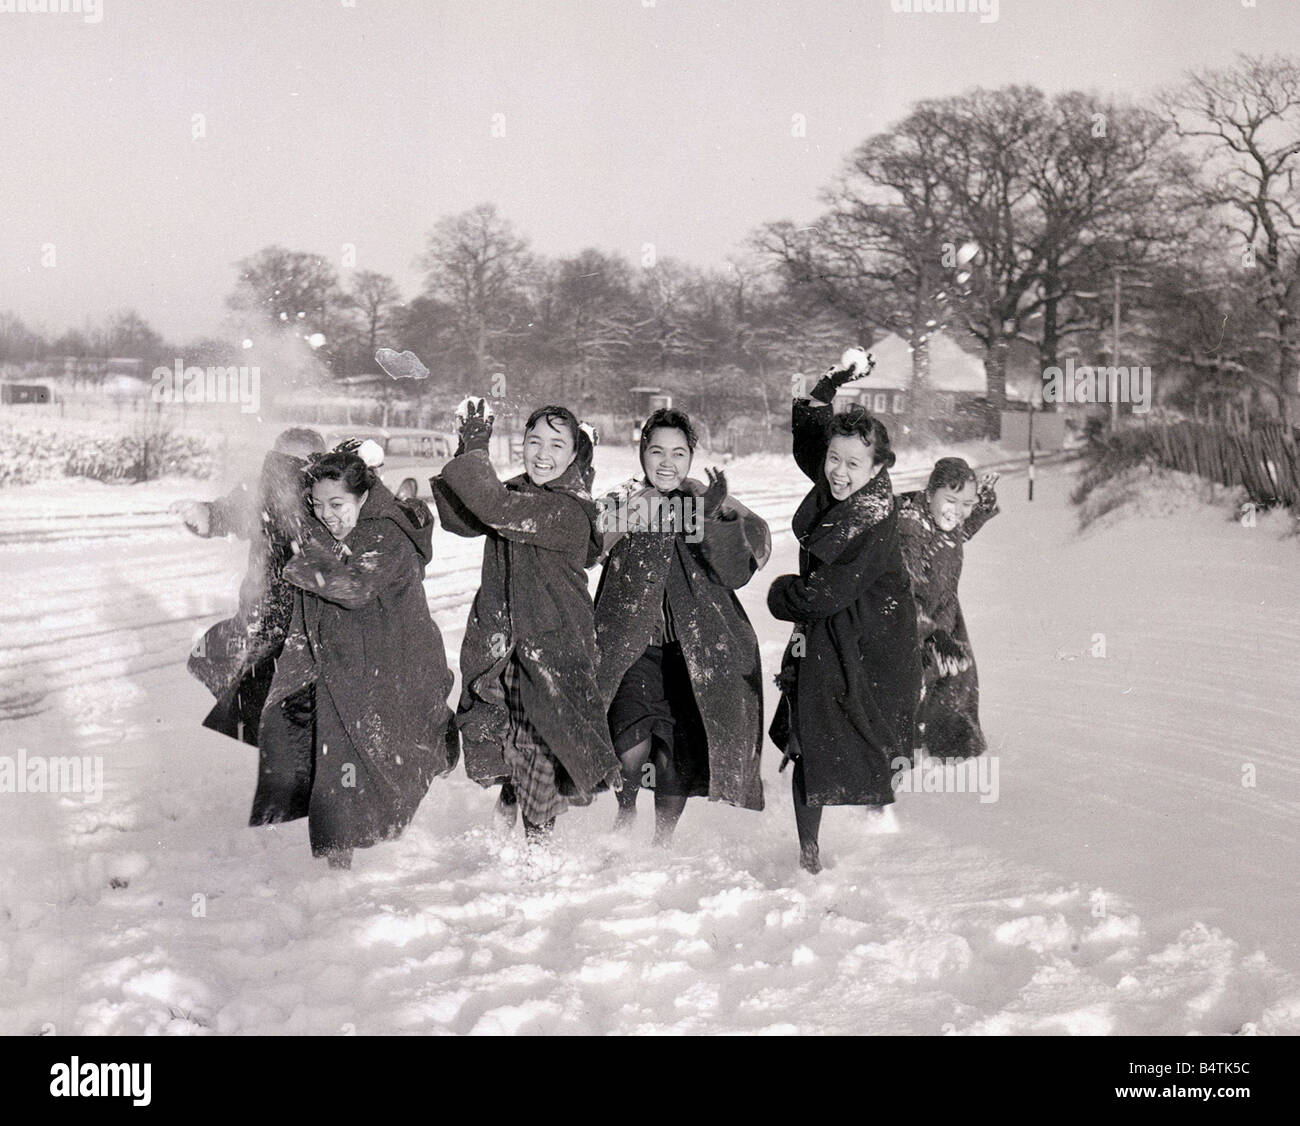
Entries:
{"x":371,"y":452}
{"x":855,"y":358}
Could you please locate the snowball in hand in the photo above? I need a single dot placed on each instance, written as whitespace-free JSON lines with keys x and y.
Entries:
{"x":855,"y":358}
{"x":470,"y":403}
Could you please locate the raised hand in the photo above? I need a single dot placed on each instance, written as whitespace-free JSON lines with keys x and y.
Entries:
{"x":854,"y":364}
{"x":716,"y":492}
{"x":475,"y":425}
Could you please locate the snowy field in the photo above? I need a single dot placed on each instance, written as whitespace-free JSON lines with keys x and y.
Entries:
{"x":1136,"y":873}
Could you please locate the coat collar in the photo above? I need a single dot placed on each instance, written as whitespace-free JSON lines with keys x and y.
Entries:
{"x":826,"y":527}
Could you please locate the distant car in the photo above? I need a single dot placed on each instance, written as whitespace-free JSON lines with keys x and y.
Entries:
{"x":411,"y":456}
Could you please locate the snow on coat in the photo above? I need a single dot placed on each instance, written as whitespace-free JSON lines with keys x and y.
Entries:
{"x":949,"y":713}
{"x":269,"y":514}
{"x":851,"y":675}
{"x":532,"y":602}
{"x":362,"y":635}
{"x":717,"y":641}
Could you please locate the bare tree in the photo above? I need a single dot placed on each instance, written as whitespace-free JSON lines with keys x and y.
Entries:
{"x":477,"y":266}
{"x":1247,"y":121}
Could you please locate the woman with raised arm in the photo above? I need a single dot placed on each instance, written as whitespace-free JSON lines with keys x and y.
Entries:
{"x":934,"y":524}
{"x":530,"y":712}
{"x":679,"y":661}
{"x":851,"y":674}
{"x":357,"y":723}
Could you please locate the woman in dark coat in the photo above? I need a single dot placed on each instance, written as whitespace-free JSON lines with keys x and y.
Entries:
{"x":679,"y":662}
{"x":934,"y":524}
{"x":530,"y":712}
{"x":851,"y":675}
{"x":236,"y":658}
{"x":357,"y":723}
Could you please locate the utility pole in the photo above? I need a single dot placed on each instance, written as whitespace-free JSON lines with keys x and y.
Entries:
{"x":1112,"y":389}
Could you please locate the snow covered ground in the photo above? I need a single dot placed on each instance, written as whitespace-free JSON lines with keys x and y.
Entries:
{"x":1136,"y":873}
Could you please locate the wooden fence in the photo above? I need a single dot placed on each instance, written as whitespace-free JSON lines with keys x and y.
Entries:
{"x":1264,"y":460}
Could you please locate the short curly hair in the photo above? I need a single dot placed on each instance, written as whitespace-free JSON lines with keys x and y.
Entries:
{"x":337,"y":465}
{"x":858,"y":422}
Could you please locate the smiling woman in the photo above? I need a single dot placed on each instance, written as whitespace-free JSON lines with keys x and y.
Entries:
{"x":530,"y":712}
{"x":851,"y":675}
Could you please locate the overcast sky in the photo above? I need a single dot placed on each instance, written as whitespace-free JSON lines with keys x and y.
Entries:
{"x":626,"y":122}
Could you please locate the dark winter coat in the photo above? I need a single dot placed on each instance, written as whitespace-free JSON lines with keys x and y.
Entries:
{"x":851,"y":675}
{"x":532,"y":603}
{"x":234,"y":657}
{"x":949,"y":714}
{"x":362,"y":635}
{"x":717,"y":641}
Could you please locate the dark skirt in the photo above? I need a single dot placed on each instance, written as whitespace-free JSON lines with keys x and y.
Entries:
{"x":655,"y":701}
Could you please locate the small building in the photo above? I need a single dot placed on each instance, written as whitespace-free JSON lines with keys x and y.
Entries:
{"x":957,"y":379}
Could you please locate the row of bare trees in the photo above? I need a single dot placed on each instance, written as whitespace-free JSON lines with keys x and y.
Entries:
{"x":1008,"y":218}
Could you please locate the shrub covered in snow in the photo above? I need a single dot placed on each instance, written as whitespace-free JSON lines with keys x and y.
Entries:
{"x":146,"y":452}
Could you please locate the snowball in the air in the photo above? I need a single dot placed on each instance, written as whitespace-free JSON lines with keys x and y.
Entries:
{"x":316,"y":339}
{"x":247,"y":343}
{"x":371,"y":452}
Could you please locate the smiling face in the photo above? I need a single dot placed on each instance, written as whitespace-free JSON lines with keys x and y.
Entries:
{"x":335,"y":507}
{"x":548,"y":451}
{"x":949,"y":506}
{"x":667,"y":458}
{"x":850,"y":464}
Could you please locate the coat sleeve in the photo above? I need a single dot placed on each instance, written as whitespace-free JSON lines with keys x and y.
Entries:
{"x":984,"y":511}
{"x":912,"y":539}
{"x":455,"y":517}
{"x":833,"y":586}
{"x":808,"y":430}
{"x":358,"y":580}
{"x":233,"y":514}
{"x":736,"y":543}
{"x":542,"y":519}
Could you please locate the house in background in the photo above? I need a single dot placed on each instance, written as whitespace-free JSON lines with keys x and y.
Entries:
{"x":957,"y":383}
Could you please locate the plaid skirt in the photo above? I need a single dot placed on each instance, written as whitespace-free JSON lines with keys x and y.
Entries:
{"x":542,"y":786}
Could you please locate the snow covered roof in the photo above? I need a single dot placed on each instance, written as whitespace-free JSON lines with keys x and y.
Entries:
{"x":951,"y":367}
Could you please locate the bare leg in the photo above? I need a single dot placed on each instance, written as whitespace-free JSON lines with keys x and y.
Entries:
{"x":507,"y":808}
{"x":535,"y":833}
{"x":808,"y":820}
{"x":668,"y":811}
{"x":632,"y":763}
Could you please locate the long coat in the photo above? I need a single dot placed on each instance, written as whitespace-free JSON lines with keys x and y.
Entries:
{"x":362,"y":636}
{"x":234,"y":657}
{"x":949,"y":714}
{"x":717,"y":641}
{"x":851,"y":675}
{"x":532,"y":603}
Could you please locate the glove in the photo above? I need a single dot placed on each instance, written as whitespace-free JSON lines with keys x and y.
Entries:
{"x":986,"y":490}
{"x":475,"y":426}
{"x":946,"y":655}
{"x":716,"y":493}
{"x":854,"y":364}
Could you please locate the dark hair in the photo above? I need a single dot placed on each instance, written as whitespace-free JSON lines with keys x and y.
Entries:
{"x":950,"y":473}
{"x":554,"y":415}
{"x":858,"y":422}
{"x":668,"y":418}
{"x":356,"y":475}
{"x":299,"y":437}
